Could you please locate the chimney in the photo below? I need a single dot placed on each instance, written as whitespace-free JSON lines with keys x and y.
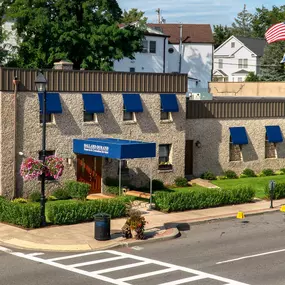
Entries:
{"x":63,"y":65}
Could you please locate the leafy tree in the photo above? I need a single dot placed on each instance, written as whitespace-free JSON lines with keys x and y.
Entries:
{"x":86,"y":32}
{"x":221,"y":34}
{"x":242,"y":24}
{"x":271,"y":68}
{"x":133,"y":15}
{"x":252,"y":77}
{"x":264,"y":18}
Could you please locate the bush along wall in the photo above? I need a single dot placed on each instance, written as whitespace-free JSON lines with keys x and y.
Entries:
{"x":27,"y":215}
{"x":279,"y":191}
{"x":202,"y":198}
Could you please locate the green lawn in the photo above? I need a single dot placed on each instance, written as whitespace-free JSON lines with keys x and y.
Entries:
{"x":258,"y":183}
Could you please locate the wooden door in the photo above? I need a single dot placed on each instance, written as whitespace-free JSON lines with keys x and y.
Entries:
{"x":87,"y":169}
{"x":189,"y":157}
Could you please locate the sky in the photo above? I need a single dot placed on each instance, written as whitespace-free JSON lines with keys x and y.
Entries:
{"x":212,"y":12}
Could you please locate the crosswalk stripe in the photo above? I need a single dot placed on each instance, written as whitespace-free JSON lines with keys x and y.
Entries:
{"x":96,"y":261}
{"x":122,"y":267}
{"x":75,"y":255}
{"x":185,"y":280}
{"x":153,"y":273}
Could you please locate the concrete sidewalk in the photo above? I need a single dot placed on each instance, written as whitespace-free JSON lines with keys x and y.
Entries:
{"x":160,"y":226}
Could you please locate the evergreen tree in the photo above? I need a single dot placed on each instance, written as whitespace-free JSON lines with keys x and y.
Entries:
{"x":133,"y":15}
{"x":221,"y":34}
{"x":242,"y":24}
{"x":86,"y":32}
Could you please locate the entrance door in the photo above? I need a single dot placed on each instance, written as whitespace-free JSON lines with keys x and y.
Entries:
{"x":189,"y":158}
{"x":89,"y":170}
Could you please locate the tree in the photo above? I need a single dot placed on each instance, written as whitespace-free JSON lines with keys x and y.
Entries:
{"x":252,"y":77}
{"x":271,"y":68}
{"x":263,"y":19}
{"x":133,"y":15}
{"x":221,"y":34}
{"x":86,"y":32}
{"x":242,"y":24}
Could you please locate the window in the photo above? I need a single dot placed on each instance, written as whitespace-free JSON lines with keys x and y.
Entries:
{"x":152,"y":46}
{"x":239,"y":79}
{"x":220,"y":63}
{"x":49,"y":118}
{"x":145,"y":46}
{"x":48,"y":153}
{"x":128,"y":116}
{"x":245,"y":63}
{"x":124,"y":167}
{"x":132,"y":69}
{"x":164,"y":116}
{"x":164,"y":157}
{"x":171,"y":50}
{"x":89,"y":117}
{"x":240,"y":63}
{"x":235,"y":151}
{"x":270,"y":149}
{"x":233,"y":44}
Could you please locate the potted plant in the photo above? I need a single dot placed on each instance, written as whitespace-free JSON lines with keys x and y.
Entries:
{"x":165,"y":165}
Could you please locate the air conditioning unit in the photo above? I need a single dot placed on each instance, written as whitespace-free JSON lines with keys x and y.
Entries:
{"x":194,"y":96}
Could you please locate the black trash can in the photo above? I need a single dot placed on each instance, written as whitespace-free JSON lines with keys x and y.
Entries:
{"x":102,"y":226}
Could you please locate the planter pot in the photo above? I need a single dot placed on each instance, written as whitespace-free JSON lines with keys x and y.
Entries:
{"x":165,"y":167}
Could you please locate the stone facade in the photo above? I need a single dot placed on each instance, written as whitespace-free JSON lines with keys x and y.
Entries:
{"x":69,"y":125}
{"x":214,"y":136}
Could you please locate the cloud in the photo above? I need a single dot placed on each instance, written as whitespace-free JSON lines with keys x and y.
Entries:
{"x":196,"y":11}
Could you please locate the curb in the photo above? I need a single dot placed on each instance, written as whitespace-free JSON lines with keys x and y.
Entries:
{"x":87,"y":247}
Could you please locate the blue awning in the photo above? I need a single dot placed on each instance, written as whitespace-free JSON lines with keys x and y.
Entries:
{"x":53,"y":104}
{"x":93,"y":103}
{"x":274,"y":134}
{"x":132,"y":103}
{"x":114,"y":148}
{"x":169,"y":103}
{"x":238,"y":135}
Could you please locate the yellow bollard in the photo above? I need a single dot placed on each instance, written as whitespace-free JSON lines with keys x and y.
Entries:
{"x":282,"y":209}
{"x":240,"y":215}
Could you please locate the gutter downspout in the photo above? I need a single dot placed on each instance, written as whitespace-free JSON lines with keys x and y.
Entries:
{"x":164,"y":54}
{"x":16,"y":83}
{"x":180,"y":49}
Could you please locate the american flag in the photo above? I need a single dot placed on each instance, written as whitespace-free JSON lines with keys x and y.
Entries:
{"x":275,"y":33}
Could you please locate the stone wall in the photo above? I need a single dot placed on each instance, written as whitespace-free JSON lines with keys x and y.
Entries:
{"x":214,"y":153}
{"x":70,"y":125}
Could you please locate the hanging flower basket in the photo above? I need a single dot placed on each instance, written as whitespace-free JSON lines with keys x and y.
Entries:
{"x":31,"y":168}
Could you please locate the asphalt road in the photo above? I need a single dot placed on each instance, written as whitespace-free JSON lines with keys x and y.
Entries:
{"x":217,"y":253}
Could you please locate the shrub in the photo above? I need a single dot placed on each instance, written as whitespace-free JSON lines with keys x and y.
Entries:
{"x":248,"y":172}
{"x":61,"y":194}
{"x":113,"y":190}
{"x":202,"y":198}
{"x":77,"y":190}
{"x":230,"y":174}
{"x":23,"y":214}
{"x":52,"y":198}
{"x":35,"y":196}
{"x":157,"y":184}
{"x":268,"y":172}
{"x":20,"y":200}
{"x":181,"y":181}
{"x":279,"y":191}
{"x":72,"y":212}
{"x":208,"y":175}
{"x":242,"y":176}
{"x":282,"y":170}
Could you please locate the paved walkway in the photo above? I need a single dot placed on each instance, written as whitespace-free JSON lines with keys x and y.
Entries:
{"x":160,"y":226}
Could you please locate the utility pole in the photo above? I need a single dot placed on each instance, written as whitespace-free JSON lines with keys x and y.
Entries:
{"x":158,"y":11}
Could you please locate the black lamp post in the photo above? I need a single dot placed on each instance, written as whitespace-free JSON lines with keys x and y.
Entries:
{"x":41,"y":83}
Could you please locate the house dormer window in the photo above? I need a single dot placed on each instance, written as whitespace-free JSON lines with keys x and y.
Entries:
{"x":233,"y":44}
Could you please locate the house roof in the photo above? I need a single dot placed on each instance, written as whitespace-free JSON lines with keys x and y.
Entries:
{"x":242,"y":71}
{"x":255,"y":45}
{"x":221,"y":72}
{"x":191,"y":33}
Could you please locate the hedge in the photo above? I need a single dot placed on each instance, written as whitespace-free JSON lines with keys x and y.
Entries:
{"x":202,"y":198}
{"x":72,"y":211}
{"x":279,"y":191}
{"x":27,"y":215}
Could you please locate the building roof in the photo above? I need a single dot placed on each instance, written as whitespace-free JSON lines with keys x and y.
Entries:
{"x":191,"y":33}
{"x":221,"y":72}
{"x":242,"y":71}
{"x":255,"y":45}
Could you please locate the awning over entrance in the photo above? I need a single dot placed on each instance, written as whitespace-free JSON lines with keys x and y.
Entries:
{"x":114,"y":148}
{"x":238,"y":135}
{"x":274,"y":134}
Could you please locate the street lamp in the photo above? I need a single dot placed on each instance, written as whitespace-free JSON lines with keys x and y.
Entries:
{"x":41,"y":84}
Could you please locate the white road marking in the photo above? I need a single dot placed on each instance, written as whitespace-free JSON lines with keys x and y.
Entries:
{"x":251,"y":256}
{"x":143,"y":275}
{"x":96,"y":261}
{"x":36,"y":254}
{"x":137,"y":247}
{"x":119,"y":255}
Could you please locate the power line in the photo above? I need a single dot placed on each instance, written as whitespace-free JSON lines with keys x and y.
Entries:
{"x":254,"y":65}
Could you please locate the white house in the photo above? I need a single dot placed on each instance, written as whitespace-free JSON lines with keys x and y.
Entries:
{"x":236,"y":57}
{"x":165,"y":51}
